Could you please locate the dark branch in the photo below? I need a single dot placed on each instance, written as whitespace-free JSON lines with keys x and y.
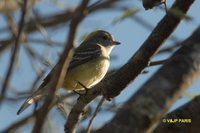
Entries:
{"x":15,"y":53}
{"x":18,"y":124}
{"x":55,"y":20}
{"x":144,"y":110}
{"x":63,"y":63}
{"x":114,"y":84}
{"x":190,"y":111}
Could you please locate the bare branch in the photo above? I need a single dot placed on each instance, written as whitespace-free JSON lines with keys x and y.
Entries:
{"x":15,"y":51}
{"x":54,"y":20}
{"x":188,"y":111}
{"x":144,"y":110}
{"x":94,"y":115}
{"x":154,"y":63}
{"x":148,"y":26}
{"x":18,"y":124}
{"x":114,"y":84}
{"x":149,"y":4}
{"x":63,"y":63}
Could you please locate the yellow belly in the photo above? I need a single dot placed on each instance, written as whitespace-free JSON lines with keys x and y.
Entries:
{"x":88,"y":74}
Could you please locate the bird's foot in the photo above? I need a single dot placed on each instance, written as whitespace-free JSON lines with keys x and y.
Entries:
{"x":81,"y":92}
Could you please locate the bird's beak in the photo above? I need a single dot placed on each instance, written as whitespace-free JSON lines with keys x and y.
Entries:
{"x":116,"y":43}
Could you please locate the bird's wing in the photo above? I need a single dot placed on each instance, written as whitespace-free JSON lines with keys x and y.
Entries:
{"x":83,"y":54}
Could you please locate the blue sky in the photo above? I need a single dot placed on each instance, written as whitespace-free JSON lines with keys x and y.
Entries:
{"x":128,"y":32}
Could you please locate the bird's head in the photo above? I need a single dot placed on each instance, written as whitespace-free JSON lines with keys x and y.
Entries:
{"x":101,"y":37}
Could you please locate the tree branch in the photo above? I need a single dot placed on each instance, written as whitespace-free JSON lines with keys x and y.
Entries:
{"x":18,"y":124}
{"x":114,"y":84}
{"x":144,"y":110}
{"x":63,"y":63}
{"x":15,"y":51}
{"x":190,"y":111}
{"x":54,"y":20}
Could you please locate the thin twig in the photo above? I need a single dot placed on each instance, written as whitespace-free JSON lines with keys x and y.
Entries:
{"x":28,"y":118}
{"x":170,"y":48}
{"x":54,"y":20}
{"x":95,"y":114}
{"x":145,"y":23}
{"x":15,"y":54}
{"x":58,"y":76}
{"x":37,"y":56}
{"x":42,"y":41}
{"x":160,"y":62}
{"x":18,"y":124}
{"x":33,"y":62}
{"x":12,"y":24}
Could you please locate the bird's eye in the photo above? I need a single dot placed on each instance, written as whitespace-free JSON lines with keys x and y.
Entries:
{"x":105,"y":37}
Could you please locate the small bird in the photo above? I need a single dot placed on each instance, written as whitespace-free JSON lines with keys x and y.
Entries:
{"x":88,"y":66}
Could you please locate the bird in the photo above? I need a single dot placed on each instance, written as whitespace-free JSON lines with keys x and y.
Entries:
{"x":88,"y":66}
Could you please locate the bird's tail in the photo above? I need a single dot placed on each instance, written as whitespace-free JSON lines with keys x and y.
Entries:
{"x":41,"y":93}
{"x":32,"y":99}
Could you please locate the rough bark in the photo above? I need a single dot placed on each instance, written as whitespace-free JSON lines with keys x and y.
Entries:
{"x":144,"y":110}
{"x":190,"y":111}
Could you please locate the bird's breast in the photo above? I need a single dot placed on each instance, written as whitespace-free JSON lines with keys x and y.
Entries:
{"x":88,"y":74}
